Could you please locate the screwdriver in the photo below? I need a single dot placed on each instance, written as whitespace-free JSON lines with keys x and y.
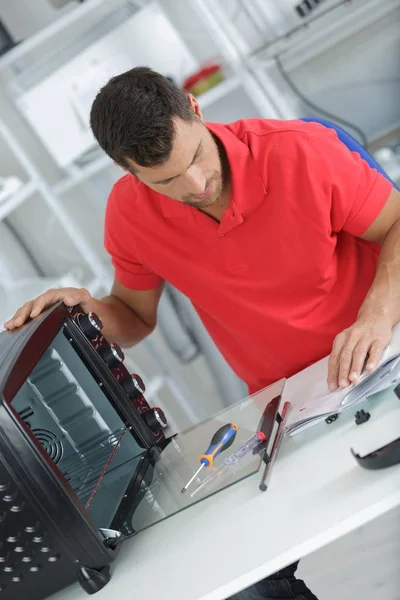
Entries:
{"x":221,"y":440}
{"x":253,"y":445}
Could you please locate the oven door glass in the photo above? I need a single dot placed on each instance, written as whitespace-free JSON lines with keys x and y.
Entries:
{"x":158,"y":493}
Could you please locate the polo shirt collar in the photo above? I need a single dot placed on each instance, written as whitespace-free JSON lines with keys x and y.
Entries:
{"x":248,"y":188}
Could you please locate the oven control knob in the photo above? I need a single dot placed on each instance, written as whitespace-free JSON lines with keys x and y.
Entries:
{"x":90,"y":324}
{"x":155,"y":418}
{"x":112,"y":355}
{"x":133,"y":386}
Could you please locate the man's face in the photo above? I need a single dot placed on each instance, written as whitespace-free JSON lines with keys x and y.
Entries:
{"x":193,"y":173}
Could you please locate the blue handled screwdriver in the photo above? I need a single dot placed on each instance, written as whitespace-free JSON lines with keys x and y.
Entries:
{"x":221,"y":440}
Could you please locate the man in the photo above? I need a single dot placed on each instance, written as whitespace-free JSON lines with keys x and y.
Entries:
{"x":285,"y":242}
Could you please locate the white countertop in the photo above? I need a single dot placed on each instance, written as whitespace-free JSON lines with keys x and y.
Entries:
{"x":317,"y":494}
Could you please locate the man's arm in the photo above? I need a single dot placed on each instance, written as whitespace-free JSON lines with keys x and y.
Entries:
{"x":128,"y":316}
{"x":380,"y":311}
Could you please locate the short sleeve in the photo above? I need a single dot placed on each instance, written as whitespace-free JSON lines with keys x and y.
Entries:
{"x":129,"y":271}
{"x":358,"y":192}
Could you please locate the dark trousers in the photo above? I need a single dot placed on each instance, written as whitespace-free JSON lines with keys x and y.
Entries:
{"x":283,"y":585}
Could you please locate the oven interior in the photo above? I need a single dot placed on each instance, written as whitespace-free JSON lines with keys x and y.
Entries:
{"x":75,"y":422}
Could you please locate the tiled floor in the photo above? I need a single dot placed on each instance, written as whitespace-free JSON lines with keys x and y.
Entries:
{"x":364,"y":565}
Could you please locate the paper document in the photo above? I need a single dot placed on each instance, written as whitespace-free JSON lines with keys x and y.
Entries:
{"x":321,"y":403}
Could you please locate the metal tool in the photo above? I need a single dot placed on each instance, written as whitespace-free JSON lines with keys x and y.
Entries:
{"x":221,"y":440}
{"x":231,"y":464}
{"x":252,"y":444}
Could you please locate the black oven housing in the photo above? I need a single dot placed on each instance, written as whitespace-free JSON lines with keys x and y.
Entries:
{"x":48,"y":540}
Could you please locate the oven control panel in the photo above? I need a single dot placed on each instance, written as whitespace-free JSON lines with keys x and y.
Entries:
{"x":113,"y":356}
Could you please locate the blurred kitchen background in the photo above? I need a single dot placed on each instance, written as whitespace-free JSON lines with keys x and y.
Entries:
{"x":242,"y":58}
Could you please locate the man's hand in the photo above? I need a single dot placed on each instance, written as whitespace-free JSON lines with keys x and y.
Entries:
{"x":365,"y":340}
{"x":31,"y":309}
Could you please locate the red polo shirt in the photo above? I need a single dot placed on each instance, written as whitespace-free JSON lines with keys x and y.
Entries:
{"x":283,"y":272}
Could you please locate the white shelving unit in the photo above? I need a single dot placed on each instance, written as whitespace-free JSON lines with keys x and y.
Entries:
{"x":36,"y":184}
{"x":89,"y":11}
{"x":219,"y":92}
{"x":11,"y":203}
{"x":80,"y":174}
{"x":21,"y":60}
{"x":327,"y":32}
{"x":236,"y":51}
{"x":329,"y":27}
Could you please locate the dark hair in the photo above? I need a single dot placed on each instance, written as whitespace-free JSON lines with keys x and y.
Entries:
{"x":131,"y":116}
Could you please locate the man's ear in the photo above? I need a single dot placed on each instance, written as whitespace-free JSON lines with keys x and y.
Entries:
{"x":195,"y":106}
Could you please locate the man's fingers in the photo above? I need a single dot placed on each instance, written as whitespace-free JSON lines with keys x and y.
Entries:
{"x":375,"y":354}
{"x":70,"y":297}
{"x":334,"y":361}
{"x":348,"y":364}
{"x":33,"y":308}
{"x":359,"y":345}
{"x":45,"y":300}
{"x":345,"y":360}
{"x":333,"y":369}
{"x":41,"y":302}
{"x":360,"y":353}
{"x":81,"y":296}
{"x":19,"y":317}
